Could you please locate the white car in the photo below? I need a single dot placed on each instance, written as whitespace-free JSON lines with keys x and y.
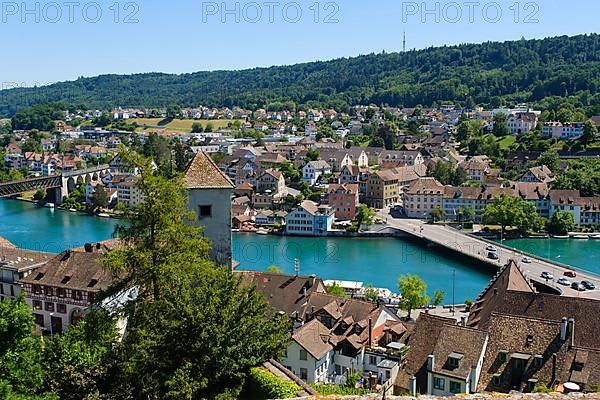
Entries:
{"x":526,"y":260}
{"x":547,"y":275}
{"x":564,"y":282}
{"x":491,"y":248}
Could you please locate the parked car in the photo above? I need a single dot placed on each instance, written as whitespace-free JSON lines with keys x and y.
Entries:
{"x":588,"y":285}
{"x":491,"y":248}
{"x":492,"y":255}
{"x":547,"y":275}
{"x":564,"y":282}
{"x":578,"y":286}
{"x":570,"y":274}
{"x":526,"y":260}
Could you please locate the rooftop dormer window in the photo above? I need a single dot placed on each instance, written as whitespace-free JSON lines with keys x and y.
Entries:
{"x":454,"y":360}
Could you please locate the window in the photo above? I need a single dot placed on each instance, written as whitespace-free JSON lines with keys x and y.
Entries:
{"x":452,"y":362}
{"x":373,"y":360}
{"x":38,"y":319}
{"x":204,"y":211}
{"x":439,"y":383}
{"x":496,"y":381}
{"x":303,"y":354}
{"x":455,"y":387}
{"x":61,"y":308}
{"x":303,"y":374}
{"x":49,"y":306}
{"x":502,"y":356}
{"x":538,"y":361}
{"x":37,"y":305}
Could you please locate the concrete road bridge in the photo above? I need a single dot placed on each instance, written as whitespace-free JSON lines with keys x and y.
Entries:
{"x":57,"y":186}
{"x":475,"y":248}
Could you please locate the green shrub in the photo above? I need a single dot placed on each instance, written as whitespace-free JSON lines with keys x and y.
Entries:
{"x":541,"y":389}
{"x":263,"y":384}
{"x":328,"y":390}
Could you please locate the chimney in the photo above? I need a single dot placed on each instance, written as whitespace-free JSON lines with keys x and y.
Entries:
{"x":563,"y":329}
{"x":370,"y":332}
{"x":430,"y":362}
{"x":304,"y":291}
{"x":572,"y":331}
{"x":88,"y":247}
{"x":412,"y":385}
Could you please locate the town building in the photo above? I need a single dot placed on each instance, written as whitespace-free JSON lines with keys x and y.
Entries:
{"x":422,"y":197}
{"x":62,"y":289}
{"x":313,"y":171}
{"x":310,"y":219}
{"x":562,"y":131}
{"x":343,"y":198}
{"x":382,"y":189}
{"x":541,"y":174}
{"x":210,"y":193}
{"x":16,"y":264}
{"x":522,"y":122}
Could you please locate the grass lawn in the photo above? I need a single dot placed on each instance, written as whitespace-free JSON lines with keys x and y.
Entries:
{"x":178,"y":125}
{"x":506,"y":141}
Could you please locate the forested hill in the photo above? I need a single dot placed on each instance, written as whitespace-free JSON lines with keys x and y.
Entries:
{"x":489,"y":73}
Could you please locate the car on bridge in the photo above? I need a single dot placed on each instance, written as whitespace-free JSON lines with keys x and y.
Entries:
{"x":570,"y":273}
{"x":547,"y":275}
{"x":491,"y":248}
{"x":589,"y":285}
{"x":578,"y":286}
{"x":492,"y":255}
{"x":526,"y":260}
{"x":564,"y":282}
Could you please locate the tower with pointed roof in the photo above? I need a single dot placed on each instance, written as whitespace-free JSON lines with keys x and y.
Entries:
{"x":210,"y":193}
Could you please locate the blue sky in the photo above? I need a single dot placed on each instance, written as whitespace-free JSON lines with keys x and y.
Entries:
{"x":45,"y":42}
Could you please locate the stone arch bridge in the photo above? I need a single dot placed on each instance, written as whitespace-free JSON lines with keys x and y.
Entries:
{"x":57,"y":186}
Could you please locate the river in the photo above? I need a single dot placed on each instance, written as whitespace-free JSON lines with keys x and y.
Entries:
{"x":377,"y":261}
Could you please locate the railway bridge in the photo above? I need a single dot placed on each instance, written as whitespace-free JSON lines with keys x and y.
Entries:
{"x":57,"y":186}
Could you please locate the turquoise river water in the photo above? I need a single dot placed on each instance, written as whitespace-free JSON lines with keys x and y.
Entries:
{"x":376,"y":261}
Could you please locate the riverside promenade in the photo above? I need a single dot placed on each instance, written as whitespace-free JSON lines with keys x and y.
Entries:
{"x":475,"y":248}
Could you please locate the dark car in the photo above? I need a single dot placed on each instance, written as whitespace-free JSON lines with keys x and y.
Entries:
{"x":588,"y":285}
{"x":492,"y":255}
{"x":577,"y":286}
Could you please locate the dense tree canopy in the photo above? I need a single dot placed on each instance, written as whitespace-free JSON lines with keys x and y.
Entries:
{"x":511,"y":211}
{"x":489,"y":73}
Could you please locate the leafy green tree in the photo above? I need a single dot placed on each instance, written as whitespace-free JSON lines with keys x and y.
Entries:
{"x":590,"y":133}
{"x":336,"y":290}
{"x":82,"y":360}
{"x":197,"y":127}
{"x":448,"y":173}
{"x":209,"y":127}
{"x":193,"y":331}
{"x":438,"y":297}
{"x":500,"y":125}
{"x":377,"y":141}
{"x":508,"y":211}
{"x":99,"y":198}
{"x":274,"y":269}
{"x":312,"y":155}
{"x":22,"y":369}
{"x":561,"y":223}
{"x":550,"y":159}
{"x":414,"y":293}
{"x":365,"y":215}
{"x":291,"y":173}
{"x":371,"y":293}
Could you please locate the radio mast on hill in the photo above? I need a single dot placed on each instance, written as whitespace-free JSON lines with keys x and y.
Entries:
{"x":404,"y":42}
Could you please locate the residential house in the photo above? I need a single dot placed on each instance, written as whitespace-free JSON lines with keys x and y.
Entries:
{"x":128,"y":192}
{"x":343,"y":198}
{"x":310,"y":219}
{"x":382,"y":189}
{"x":522,"y":122}
{"x":422,"y":197}
{"x":397,"y":158}
{"x":210,"y":193}
{"x":271,"y":181}
{"x":562,"y":131}
{"x":535,"y":192}
{"x":60,"y":291}
{"x":541,"y":174}
{"x":476,"y":169}
{"x":16,"y":264}
{"x":313,"y":171}
{"x":566,"y":200}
